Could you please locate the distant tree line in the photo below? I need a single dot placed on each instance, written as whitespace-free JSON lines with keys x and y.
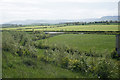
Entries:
{"x":65,"y":24}
{"x":12,"y":25}
{"x":95,"y":22}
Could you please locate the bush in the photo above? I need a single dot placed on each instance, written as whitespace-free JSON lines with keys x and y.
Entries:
{"x":103,"y":69}
{"x":65,"y":62}
{"x":114,"y":54}
{"x":80,"y":66}
{"x":29,"y":62}
{"x":18,"y":43}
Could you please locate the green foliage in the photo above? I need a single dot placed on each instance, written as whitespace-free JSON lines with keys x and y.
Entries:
{"x":26,"y":67}
{"x":103,"y":69}
{"x":78,"y":65}
{"x":65,"y":62}
{"x":8,"y":42}
{"x":39,"y":35}
{"x":114,"y":54}
{"x":29,"y":62}
{"x":72,"y":56}
{"x":100,"y":68}
{"x":20,"y":43}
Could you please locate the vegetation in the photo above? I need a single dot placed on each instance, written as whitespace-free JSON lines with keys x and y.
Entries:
{"x":63,"y":24}
{"x":28,"y":52}
{"x":38,"y":55}
{"x":67,"y":28}
{"x":92,"y":23}
{"x":82,"y":42}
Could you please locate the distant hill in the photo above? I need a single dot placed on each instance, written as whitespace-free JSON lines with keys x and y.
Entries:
{"x":105,"y":18}
{"x":113,"y":18}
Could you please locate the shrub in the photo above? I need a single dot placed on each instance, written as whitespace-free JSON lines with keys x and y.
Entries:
{"x":78,"y":65}
{"x":18,"y":43}
{"x":103,"y":69}
{"x":114,"y":54}
{"x":29,"y":62}
{"x":65,"y":62}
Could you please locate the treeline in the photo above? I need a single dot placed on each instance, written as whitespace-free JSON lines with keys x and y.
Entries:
{"x":65,"y":24}
{"x":12,"y":25}
{"x":93,"y":23}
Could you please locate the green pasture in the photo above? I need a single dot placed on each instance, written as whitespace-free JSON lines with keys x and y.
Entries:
{"x":83,"y":42}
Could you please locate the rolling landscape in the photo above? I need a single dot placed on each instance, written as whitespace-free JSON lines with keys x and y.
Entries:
{"x":69,"y":50}
{"x":59,"y":39}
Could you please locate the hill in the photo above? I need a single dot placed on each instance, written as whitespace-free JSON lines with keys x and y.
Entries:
{"x":104,"y":18}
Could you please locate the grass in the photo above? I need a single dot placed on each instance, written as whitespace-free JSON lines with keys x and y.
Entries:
{"x":68,"y":28}
{"x":84,"y":28}
{"x":95,"y":42}
{"x":37,"y":60}
{"x":13,"y":67}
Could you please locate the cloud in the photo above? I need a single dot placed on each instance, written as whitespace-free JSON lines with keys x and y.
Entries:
{"x":56,"y":9}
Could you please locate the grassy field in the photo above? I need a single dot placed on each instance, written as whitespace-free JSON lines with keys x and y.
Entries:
{"x":84,"y":28}
{"x":40,"y":55}
{"x":67,"y":28}
{"x":17,"y":68}
{"x":83,"y":42}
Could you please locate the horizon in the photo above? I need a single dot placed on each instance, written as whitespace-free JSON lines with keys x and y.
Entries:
{"x":59,"y":20}
{"x":20,"y":10}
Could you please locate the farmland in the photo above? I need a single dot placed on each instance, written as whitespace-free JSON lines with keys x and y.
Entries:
{"x":35,"y":54}
{"x":83,"y":42}
{"x":67,"y":28}
{"x":59,"y":39}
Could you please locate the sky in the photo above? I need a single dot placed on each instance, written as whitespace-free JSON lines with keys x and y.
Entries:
{"x":13,"y":10}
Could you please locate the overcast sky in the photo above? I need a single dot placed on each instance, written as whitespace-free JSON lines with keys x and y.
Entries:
{"x":11,"y":10}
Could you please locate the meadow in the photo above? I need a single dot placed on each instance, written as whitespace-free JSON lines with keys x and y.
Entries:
{"x":25,"y":67}
{"x":83,"y":42}
{"x":36,"y":54}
